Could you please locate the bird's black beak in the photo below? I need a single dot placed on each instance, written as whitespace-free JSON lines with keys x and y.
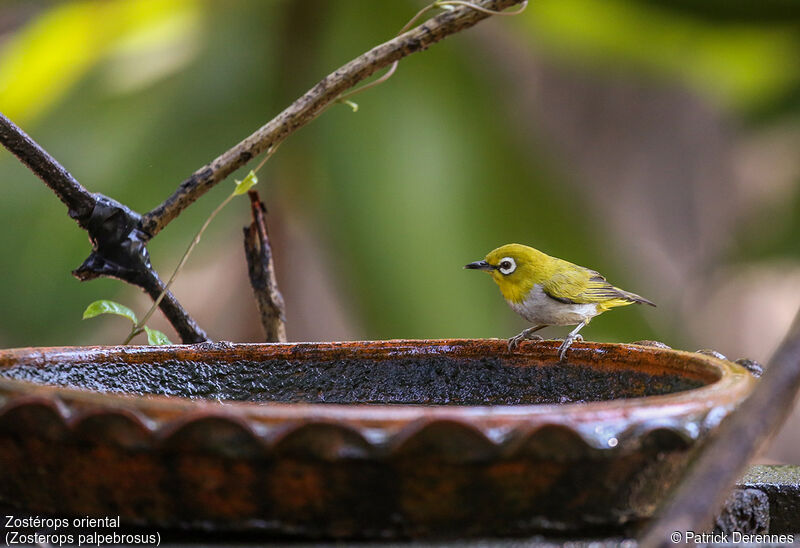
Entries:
{"x":480,"y":265}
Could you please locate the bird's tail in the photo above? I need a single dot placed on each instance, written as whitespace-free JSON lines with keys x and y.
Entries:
{"x":623,"y":298}
{"x":633,"y":297}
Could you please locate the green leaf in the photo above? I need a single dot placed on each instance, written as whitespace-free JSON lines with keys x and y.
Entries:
{"x":247,"y":184}
{"x":104,"y":306}
{"x":156,"y":337}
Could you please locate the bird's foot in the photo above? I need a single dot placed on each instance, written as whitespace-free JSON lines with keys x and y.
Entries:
{"x":514,"y":341}
{"x":562,"y":350}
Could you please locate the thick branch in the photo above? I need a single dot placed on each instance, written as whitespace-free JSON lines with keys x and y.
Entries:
{"x":79,"y":201}
{"x":310,"y":105}
{"x":261,"y":269}
{"x":704,"y":489}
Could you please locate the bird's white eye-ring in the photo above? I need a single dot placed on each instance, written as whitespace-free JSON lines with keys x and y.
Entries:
{"x":506,"y":266}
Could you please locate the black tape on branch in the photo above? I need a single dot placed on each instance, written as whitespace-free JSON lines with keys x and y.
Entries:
{"x":119,"y":250}
{"x":118,"y":245}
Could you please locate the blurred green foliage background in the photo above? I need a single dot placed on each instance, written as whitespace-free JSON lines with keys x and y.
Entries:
{"x":653,"y":140}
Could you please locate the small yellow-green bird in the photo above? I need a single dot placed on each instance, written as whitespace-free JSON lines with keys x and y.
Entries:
{"x":549,"y":291}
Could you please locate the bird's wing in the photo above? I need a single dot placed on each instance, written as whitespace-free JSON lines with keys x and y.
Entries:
{"x":578,"y":285}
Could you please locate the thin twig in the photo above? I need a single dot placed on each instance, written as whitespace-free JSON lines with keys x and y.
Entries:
{"x":439,"y":4}
{"x":181,"y":321}
{"x":184,"y":325}
{"x":703,"y":490}
{"x":78,"y":200}
{"x":266,"y":157}
{"x":313,"y":102}
{"x":261,"y":269}
{"x":344,"y":97}
{"x":487,"y":11}
{"x":164,"y":293}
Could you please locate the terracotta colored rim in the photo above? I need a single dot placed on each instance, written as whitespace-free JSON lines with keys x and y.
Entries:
{"x":600,"y":424}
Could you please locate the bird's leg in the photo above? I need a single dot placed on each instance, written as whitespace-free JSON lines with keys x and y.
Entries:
{"x":569,"y":339}
{"x":514,"y":341}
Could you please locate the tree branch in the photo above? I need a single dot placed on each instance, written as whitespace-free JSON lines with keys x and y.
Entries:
{"x":261,"y":269}
{"x":118,"y":248}
{"x":704,"y":489}
{"x":79,"y":201}
{"x":310,"y":105}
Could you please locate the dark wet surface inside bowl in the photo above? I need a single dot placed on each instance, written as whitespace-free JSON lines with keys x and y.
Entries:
{"x":408,"y":380}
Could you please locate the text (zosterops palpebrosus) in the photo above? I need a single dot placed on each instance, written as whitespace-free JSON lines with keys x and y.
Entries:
{"x":547,"y":291}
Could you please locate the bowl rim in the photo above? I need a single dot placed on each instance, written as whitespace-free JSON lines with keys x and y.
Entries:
{"x":731,"y":387}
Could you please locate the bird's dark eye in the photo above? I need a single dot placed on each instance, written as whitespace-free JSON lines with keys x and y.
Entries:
{"x":507,"y":266}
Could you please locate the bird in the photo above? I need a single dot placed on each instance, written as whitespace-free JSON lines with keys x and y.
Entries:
{"x":548,"y":291}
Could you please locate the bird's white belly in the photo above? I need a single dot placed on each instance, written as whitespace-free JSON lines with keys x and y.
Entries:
{"x":538,"y":308}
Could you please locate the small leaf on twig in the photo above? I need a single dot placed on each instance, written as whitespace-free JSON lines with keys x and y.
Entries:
{"x":104,"y":306}
{"x":156,"y":337}
{"x":243,"y":186}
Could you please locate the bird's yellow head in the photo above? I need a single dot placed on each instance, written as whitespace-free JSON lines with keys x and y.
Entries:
{"x":516,"y":269}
